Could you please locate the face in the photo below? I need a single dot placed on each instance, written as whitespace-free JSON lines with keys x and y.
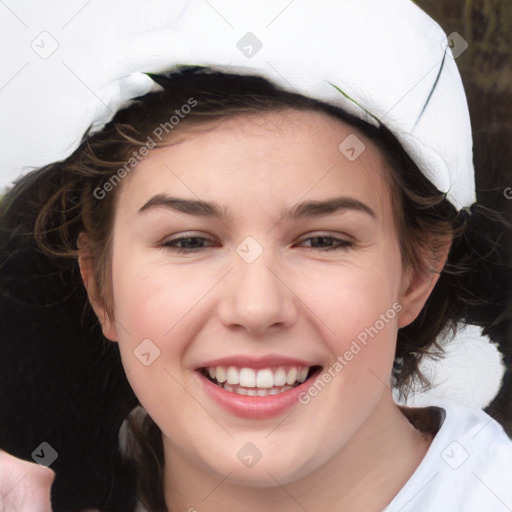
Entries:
{"x":266,"y":331}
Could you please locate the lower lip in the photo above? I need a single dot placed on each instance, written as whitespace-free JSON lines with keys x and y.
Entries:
{"x":255,"y":407}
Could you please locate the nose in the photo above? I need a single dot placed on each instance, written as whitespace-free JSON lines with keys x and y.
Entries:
{"x":257,"y":297}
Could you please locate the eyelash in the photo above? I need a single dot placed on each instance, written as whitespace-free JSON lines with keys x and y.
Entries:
{"x":342,"y":244}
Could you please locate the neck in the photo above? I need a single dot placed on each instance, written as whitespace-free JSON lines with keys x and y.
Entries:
{"x":363,"y":476}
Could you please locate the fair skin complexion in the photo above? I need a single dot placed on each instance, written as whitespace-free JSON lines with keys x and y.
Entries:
{"x":24,"y":486}
{"x":350,"y":448}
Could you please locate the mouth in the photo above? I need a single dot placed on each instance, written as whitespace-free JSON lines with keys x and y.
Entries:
{"x":259,"y":382}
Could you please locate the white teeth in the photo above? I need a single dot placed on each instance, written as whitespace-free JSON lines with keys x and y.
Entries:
{"x":280,"y":377}
{"x":247,"y":377}
{"x":265,"y":379}
{"x":254,"y":391}
{"x":292,"y":376}
{"x":220,"y":374}
{"x":232,"y":375}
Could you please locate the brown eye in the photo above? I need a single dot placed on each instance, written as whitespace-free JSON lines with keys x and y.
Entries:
{"x":325,"y":243}
{"x":188,"y":244}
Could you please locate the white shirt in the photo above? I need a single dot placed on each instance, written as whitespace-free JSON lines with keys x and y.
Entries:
{"x":467,"y":468}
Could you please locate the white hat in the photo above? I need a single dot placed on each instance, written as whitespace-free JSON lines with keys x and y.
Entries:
{"x":390,"y":58}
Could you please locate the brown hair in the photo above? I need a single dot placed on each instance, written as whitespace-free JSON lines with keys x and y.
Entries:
{"x":69,"y":203}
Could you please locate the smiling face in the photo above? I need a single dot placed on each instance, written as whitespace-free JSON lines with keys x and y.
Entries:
{"x":257,"y":301}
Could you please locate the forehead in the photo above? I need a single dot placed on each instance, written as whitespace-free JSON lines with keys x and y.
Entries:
{"x":271,"y":159}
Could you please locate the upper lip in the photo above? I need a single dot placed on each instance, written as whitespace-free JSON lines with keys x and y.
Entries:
{"x":245,"y":361}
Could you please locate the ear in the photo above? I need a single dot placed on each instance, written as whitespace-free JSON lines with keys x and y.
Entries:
{"x":418,"y":284}
{"x":85,"y":263}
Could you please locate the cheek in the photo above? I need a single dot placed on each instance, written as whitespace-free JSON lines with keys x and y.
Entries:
{"x":347,"y":300}
{"x":356,"y":309}
{"x":161,"y":302}
{"x":155,"y":315}
{"x":149,"y":294}
{"x":152,"y":300}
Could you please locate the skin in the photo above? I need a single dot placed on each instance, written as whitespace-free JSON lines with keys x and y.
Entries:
{"x":24,"y":486}
{"x":350,"y":448}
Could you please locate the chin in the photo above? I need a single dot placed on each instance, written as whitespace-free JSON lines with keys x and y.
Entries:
{"x":285,"y":466}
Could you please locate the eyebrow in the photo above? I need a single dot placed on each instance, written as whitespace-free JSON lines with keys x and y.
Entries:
{"x":304,"y":210}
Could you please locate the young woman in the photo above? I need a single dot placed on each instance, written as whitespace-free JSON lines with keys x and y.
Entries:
{"x":270,"y":266}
